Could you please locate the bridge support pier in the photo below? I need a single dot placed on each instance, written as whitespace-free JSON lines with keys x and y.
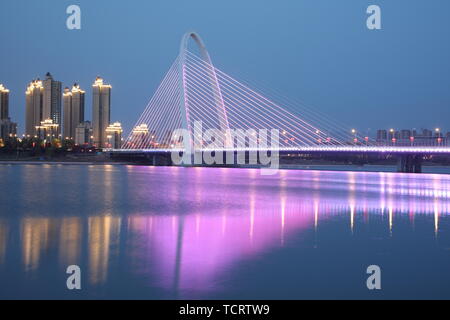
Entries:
{"x":410,"y":163}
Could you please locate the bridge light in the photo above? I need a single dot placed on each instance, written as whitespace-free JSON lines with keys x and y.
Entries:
{"x":353,"y":130}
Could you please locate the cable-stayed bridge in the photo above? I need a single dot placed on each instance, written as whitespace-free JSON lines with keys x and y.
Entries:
{"x":199,"y":108}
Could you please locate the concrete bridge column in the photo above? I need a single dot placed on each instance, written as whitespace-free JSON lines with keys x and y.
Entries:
{"x":410,"y":163}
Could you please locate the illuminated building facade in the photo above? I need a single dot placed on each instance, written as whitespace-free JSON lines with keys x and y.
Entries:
{"x":140,"y":136}
{"x":114,"y":136}
{"x":73,"y":114}
{"x":4,"y":102}
{"x":47,"y":130}
{"x":52,"y":100}
{"x":8,"y":129}
{"x":101,"y":111}
{"x":34,"y":107}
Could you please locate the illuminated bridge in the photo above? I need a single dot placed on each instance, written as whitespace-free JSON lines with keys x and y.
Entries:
{"x":199,"y":108}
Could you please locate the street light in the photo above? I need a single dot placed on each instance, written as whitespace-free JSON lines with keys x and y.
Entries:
{"x":438,"y":134}
{"x":355,"y":139}
{"x":392,"y":131}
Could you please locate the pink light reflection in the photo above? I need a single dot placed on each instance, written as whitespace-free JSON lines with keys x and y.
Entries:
{"x":191,"y":251}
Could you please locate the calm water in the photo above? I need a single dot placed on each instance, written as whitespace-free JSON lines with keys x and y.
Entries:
{"x":162,"y":233}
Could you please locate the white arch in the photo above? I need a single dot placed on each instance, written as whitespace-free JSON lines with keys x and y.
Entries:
{"x":184,"y":107}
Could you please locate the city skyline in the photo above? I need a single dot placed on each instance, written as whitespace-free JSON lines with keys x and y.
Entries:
{"x":51,"y":112}
{"x":383,"y":81}
{"x":80,"y":94}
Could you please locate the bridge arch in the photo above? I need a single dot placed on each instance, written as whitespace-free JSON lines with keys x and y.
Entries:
{"x":184,"y":103}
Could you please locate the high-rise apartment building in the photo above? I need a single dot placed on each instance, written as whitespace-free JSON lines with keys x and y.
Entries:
{"x":34,"y":107}
{"x":4,"y":102}
{"x":73,"y":113}
{"x":52,"y":99}
{"x":8,"y":129}
{"x":101,"y":111}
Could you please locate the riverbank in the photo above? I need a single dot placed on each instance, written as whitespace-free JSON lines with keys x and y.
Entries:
{"x":81,"y":163}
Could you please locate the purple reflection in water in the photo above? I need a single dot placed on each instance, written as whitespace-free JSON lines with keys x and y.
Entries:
{"x":224,"y":217}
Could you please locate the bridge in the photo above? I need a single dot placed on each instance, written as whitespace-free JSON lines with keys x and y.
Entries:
{"x":198,"y":108}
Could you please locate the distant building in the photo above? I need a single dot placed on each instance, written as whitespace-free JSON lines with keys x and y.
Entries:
{"x":447,"y":138}
{"x":140,"y":137}
{"x":114,"y":135}
{"x":34,"y":107}
{"x":426,"y":133}
{"x":407,"y":137}
{"x":83,"y":134}
{"x":52,"y":101}
{"x":73,"y":114}
{"x":8,"y":129}
{"x":47,"y":130}
{"x":405,"y":134}
{"x":382,"y":135}
{"x":101,"y":111}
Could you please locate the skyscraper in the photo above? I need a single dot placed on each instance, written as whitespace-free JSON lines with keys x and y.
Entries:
{"x":7,"y":128}
{"x":4,"y":102}
{"x":34,"y":107}
{"x":73,"y":110}
{"x":52,"y":99}
{"x":101,"y":111}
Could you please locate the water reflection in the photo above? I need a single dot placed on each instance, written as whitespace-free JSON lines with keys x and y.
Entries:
{"x":35,"y":241}
{"x":3,"y":239}
{"x":103,"y":237}
{"x":70,"y":241}
{"x":186,"y":230}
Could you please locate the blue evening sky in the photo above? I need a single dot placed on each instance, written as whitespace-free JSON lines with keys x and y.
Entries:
{"x":317,"y":51}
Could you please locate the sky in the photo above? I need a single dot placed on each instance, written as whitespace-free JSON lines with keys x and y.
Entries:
{"x":316,"y":51}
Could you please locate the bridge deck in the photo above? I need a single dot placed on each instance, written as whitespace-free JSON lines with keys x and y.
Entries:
{"x":313,"y":149}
